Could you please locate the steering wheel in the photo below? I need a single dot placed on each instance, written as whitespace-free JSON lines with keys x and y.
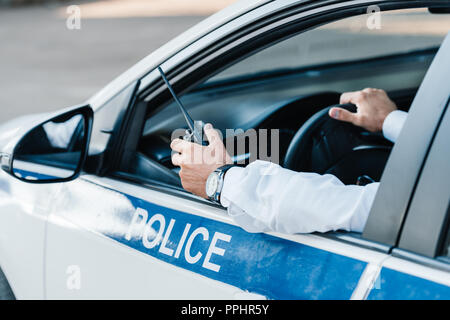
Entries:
{"x":325,"y":145}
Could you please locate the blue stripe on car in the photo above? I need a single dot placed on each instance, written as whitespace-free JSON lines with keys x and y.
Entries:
{"x":395,"y":285}
{"x":260,"y":263}
{"x":29,"y":174}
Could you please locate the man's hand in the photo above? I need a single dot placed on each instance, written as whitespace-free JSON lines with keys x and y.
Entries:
{"x":197,"y":161}
{"x":373,"y":107}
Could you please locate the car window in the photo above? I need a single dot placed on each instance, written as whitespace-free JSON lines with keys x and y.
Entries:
{"x":239,"y":106}
{"x":343,"y":41}
{"x":254,"y":101}
{"x":360,"y":37}
{"x":107,"y":117}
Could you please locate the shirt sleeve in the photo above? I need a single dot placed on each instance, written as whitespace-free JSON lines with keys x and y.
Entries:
{"x":393,"y":124}
{"x":265,"y":197}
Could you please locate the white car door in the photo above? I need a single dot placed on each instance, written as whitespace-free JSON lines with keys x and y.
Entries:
{"x":111,"y":239}
{"x":97,"y":246}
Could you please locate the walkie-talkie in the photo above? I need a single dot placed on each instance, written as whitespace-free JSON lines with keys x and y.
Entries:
{"x":195,"y":131}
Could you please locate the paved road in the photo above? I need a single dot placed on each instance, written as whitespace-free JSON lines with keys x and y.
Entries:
{"x":44,"y":66}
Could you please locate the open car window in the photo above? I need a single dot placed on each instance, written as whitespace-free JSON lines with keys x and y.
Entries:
{"x":312,"y":62}
{"x":257,"y":93}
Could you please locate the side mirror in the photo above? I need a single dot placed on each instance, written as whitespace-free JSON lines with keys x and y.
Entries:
{"x":53,"y":151}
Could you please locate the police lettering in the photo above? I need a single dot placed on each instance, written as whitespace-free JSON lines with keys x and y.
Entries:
{"x":153,"y":232}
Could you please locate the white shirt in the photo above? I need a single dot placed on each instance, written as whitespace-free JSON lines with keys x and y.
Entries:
{"x":265,"y":197}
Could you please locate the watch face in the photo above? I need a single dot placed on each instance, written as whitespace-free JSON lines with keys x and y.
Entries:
{"x":211,"y":184}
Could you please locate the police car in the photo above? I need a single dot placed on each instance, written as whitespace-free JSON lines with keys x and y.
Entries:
{"x":91,"y":206}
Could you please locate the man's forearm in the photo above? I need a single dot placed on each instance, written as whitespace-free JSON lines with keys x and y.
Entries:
{"x":265,"y":197}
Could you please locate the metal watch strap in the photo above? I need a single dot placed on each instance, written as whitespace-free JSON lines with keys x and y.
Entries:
{"x":221,"y":172}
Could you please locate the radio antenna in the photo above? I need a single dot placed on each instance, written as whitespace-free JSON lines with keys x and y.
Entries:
{"x":187,"y":117}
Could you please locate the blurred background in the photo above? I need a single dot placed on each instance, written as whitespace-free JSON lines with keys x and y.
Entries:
{"x":46,"y":66}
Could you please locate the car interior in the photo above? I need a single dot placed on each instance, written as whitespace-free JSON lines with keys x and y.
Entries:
{"x":287,"y":89}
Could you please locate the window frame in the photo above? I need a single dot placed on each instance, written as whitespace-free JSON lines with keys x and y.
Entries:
{"x":194,"y":69}
{"x":425,"y":234}
{"x":405,"y":165}
{"x":108,"y":129}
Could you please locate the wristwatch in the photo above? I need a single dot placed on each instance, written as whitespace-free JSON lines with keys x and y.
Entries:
{"x":214,"y":183}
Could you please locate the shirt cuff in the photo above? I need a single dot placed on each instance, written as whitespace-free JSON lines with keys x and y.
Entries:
{"x":231,"y":179}
{"x":393,"y":124}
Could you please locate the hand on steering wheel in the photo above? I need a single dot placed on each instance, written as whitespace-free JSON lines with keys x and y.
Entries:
{"x":373,"y":106}
{"x":325,"y":145}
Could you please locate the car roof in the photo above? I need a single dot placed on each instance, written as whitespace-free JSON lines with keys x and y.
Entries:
{"x":198,"y":31}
